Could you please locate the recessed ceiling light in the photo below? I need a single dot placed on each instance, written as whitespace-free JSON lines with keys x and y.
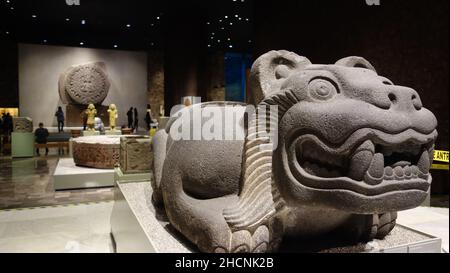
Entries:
{"x":236,"y":15}
{"x":152,"y":24}
{"x":81,"y":43}
{"x":230,"y":46}
{"x":231,"y":24}
{"x":45,"y":41}
{"x":226,"y":16}
{"x":7,"y":33}
{"x":207,"y":23}
{"x":12,"y":8}
{"x":115,"y":46}
{"x":34,"y":15}
{"x":7,"y":1}
{"x":128,"y":25}
{"x":67,"y":19}
{"x":83,"y":22}
{"x":209,"y":45}
{"x":157,"y":18}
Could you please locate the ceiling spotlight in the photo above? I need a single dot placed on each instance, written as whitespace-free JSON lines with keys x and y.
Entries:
{"x":34,"y":15}
{"x":81,"y":43}
{"x":209,"y":45}
{"x":226,"y":16}
{"x":249,"y":41}
{"x":152,"y":24}
{"x":236,"y":15}
{"x":128,"y":25}
{"x":231,"y":24}
{"x":218,"y":41}
{"x":246,"y":19}
{"x":220,"y":20}
{"x":83,"y":22}
{"x":222,"y":28}
{"x":229,"y":39}
{"x":207,"y":23}
{"x":230,"y":46}
{"x":67,"y":19}
{"x":45,"y":41}
{"x":7,"y":33}
{"x":157,"y":18}
{"x":7,"y":1}
{"x":12,"y":8}
{"x":115,"y":46}
{"x":152,"y":44}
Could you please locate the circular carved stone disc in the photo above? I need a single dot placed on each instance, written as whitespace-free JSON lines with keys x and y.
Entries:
{"x":87,"y":84}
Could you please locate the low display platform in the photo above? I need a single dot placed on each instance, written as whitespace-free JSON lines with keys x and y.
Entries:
{"x":113,"y":132}
{"x":91,"y":133}
{"x":69,"y":176}
{"x":138,"y":226}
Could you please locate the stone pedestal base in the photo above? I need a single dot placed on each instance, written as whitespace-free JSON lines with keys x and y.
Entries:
{"x":22,"y":144}
{"x":91,"y":133}
{"x":69,"y":176}
{"x":138,"y":226}
{"x":113,"y":132}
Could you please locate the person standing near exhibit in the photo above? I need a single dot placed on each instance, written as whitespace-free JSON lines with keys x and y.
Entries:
{"x":136,"y":120}
{"x":60,"y":118}
{"x":148,"y":116}
{"x":41,"y":135}
{"x":130,"y":117}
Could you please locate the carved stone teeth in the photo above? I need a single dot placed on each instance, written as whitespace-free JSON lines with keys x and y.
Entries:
{"x":360,"y":161}
{"x":388,"y":173}
{"x":398,"y":172}
{"x":414,"y":171}
{"x":375,"y":174}
{"x":407,"y":171}
{"x":424,"y":163}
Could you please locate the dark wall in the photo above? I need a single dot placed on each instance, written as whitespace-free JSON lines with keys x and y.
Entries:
{"x":9,"y":90}
{"x":406,"y":41}
{"x":184,"y":53}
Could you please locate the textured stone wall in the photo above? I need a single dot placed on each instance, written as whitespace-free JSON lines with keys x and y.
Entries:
{"x":155,"y":87}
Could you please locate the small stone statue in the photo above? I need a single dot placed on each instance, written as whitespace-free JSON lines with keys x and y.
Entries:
{"x":113,"y":115}
{"x":90,"y":112}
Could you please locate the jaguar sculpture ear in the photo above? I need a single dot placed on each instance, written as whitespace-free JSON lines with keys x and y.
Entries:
{"x":355,"y":61}
{"x":270,"y":71}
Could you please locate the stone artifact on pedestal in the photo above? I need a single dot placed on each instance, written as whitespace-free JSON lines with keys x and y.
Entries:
{"x":91,"y":113}
{"x":136,"y":154}
{"x":22,"y":125}
{"x":84,"y":84}
{"x":100,"y":152}
{"x":352,"y":149}
{"x":81,"y":85}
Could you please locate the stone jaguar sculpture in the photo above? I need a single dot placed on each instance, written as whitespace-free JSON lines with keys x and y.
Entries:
{"x":353,"y":149}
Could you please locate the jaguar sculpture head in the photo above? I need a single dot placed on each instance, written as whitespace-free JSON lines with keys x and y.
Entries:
{"x":348,"y":138}
{"x":352,"y":149}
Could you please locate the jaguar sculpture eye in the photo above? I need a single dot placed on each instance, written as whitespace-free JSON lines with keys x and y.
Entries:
{"x":322,"y":89}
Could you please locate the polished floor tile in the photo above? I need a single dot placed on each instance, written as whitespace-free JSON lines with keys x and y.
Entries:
{"x":29,"y":183}
{"x":81,"y":228}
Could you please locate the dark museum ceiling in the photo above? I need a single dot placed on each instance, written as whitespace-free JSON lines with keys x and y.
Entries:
{"x":121,"y":24}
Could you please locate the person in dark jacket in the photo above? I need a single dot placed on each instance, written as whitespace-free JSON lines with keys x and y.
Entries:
{"x":41,"y":135}
{"x":60,"y":118}
{"x":130,"y":117}
{"x":136,"y":120}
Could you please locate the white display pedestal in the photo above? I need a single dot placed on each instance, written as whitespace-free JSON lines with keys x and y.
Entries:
{"x":69,"y":176}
